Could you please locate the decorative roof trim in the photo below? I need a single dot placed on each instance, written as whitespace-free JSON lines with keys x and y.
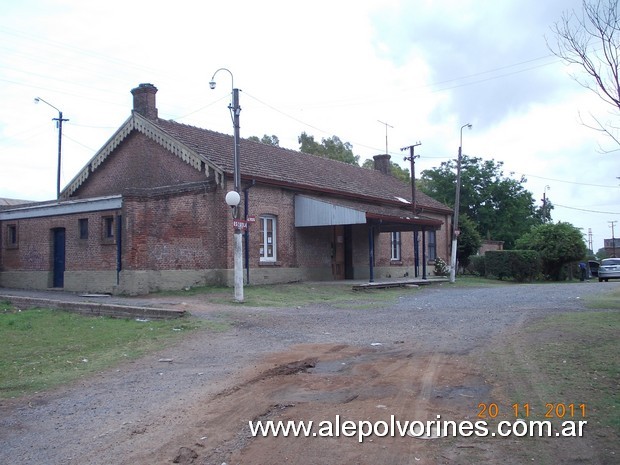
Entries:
{"x":138,"y":123}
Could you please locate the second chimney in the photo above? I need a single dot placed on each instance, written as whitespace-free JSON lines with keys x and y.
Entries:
{"x":382,"y":163}
{"x":144,"y":100}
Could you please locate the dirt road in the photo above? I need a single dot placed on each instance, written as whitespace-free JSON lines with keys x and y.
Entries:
{"x":413,"y":360}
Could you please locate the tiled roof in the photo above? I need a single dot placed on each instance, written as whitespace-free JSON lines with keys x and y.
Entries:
{"x":297,"y":169}
{"x":11,"y":202}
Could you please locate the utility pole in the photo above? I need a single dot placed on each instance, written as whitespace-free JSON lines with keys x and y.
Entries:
{"x":457,"y":200}
{"x":414,"y":206}
{"x":544,"y":205}
{"x":386,"y":135}
{"x":412,"y":158}
{"x":59,"y":122}
{"x":613,"y":238}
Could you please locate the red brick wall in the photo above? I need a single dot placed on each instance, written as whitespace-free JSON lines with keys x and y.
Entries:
{"x":263,"y":200}
{"x":176,"y":231}
{"x":35,"y":238}
{"x":138,"y":162}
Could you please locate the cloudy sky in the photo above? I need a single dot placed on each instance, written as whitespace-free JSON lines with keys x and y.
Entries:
{"x":419,"y":69}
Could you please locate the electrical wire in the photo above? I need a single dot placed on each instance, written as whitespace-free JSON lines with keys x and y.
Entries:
{"x":585,"y":210}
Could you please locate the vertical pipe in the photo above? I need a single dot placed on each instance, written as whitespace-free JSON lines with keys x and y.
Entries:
{"x":119,"y":248}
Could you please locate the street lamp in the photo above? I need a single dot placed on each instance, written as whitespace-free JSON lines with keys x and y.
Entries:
{"x":233,"y":200}
{"x":59,"y":121}
{"x":455,"y":221}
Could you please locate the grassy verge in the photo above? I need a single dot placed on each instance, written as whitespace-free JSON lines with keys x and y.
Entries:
{"x":46,"y":348}
{"x":609,"y":301}
{"x":566,"y":359}
{"x":296,"y":294}
{"x":479,"y":281}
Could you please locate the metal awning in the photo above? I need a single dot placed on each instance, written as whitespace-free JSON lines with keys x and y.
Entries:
{"x":311,"y":211}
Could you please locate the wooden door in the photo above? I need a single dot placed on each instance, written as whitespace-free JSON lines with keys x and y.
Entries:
{"x":338,"y":261}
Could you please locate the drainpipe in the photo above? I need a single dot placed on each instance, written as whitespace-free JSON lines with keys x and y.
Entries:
{"x":246,"y":234}
{"x":119,"y":248}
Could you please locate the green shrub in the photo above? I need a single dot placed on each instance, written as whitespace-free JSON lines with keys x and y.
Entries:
{"x":521,"y":265}
{"x":477,"y":265}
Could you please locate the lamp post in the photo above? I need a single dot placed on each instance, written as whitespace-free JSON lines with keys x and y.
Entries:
{"x":59,"y":121}
{"x":231,"y":199}
{"x":457,"y":198}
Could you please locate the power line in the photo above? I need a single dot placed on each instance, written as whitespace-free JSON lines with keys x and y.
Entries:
{"x":585,"y":210}
{"x":565,"y":182}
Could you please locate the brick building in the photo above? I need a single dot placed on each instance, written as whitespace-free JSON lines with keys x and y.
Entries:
{"x":148,"y":213}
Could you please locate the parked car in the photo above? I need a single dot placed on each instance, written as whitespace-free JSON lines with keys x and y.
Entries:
{"x":609,"y":269}
{"x":593,"y":265}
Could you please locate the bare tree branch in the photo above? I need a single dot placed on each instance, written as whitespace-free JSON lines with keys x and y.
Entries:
{"x":591,"y":40}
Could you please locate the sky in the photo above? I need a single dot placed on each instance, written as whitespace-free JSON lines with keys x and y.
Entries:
{"x":379,"y":74}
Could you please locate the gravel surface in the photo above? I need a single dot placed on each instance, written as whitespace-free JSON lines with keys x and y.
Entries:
{"x":86,"y":422}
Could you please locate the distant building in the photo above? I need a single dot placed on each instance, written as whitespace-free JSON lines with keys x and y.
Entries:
{"x":612,"y":247}
{"x":487,"y":245}
{"x":147,"y":213}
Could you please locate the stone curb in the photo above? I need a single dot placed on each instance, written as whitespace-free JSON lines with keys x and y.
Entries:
{"x":94,"y":309}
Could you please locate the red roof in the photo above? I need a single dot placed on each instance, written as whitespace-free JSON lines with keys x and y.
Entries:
{"x":298,"y":170}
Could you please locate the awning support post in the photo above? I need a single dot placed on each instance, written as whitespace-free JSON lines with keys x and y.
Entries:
{"x":371,"y":252}
{"x":423,"y":253}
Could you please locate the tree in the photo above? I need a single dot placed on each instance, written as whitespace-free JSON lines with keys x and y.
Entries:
{"x":332,"y":148}
{"x":591,"y":41}
{"x":557,"y":244}
{"x":501,"y":207}
{"x":469,"y":241}
{"x":543,"y":213}
{"x":601,"y":254}
{"x":395,"y":170}
{"x":269,"y":140}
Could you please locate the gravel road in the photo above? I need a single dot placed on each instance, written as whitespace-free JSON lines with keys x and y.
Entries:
{"x":101,"y":420}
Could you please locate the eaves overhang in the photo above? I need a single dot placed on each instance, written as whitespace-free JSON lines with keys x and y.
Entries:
{"x":65,"y":207}
{"x":312,"y":211}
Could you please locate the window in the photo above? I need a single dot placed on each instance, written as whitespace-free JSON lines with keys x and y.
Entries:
{"x":83,"y":228}
{"x":268,"y":238}
{"x":395,"y":246}
{"x":11,"y":235}
{"x":108,"y":227}
{"x":432,"y":245}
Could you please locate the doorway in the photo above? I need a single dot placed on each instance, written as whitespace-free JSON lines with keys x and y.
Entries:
{"x":58,"y":254}
{"x":342,"y":253}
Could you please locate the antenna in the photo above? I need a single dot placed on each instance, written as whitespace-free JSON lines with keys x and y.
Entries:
{"x":386,"y":135}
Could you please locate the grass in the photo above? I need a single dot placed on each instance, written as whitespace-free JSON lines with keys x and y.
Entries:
{"x":296,"y":294}
{"x":44,"y":348}
{"x":610,"y":300}
{"x":574,"y":357}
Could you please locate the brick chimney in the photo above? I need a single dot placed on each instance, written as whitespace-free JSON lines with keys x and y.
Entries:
{"x":382,"y":163}
{"x":144,"y":100}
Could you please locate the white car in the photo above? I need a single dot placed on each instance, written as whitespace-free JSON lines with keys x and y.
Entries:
{"x":609,"y":269}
